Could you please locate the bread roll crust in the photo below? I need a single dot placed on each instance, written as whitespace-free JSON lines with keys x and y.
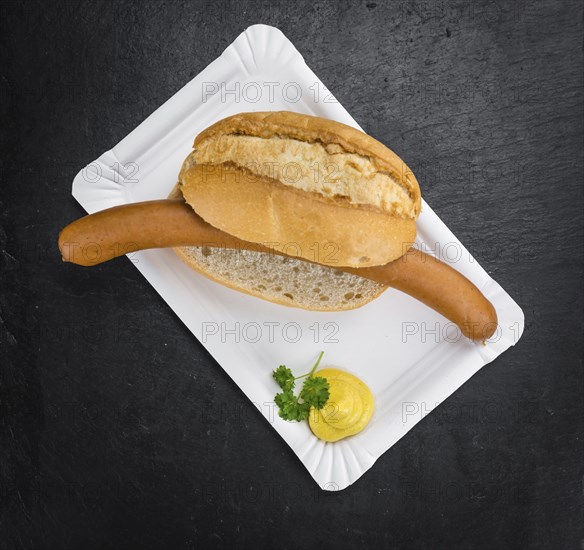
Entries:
{"x":297,"y":223}
{"x":317,"y":130}
{"x":368,"y":212}
{"x":328,"y":170}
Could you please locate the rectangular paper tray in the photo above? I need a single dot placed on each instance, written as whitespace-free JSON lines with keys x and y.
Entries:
{"x":389,"y":343}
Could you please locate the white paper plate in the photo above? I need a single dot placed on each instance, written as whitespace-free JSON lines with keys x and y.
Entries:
{"x":391,"y":343}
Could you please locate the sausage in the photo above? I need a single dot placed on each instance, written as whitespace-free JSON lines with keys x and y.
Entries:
{"x":441,"y":288}
{"x":105,"y":235}
{"x":120,"y":230}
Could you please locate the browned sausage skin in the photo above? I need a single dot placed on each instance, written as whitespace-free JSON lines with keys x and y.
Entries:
{"x":120,"y":230}
{"x":105,"y":235}
{"x":441,"y":288}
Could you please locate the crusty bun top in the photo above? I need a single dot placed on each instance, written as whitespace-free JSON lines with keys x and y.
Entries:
{"x":301,"y":181}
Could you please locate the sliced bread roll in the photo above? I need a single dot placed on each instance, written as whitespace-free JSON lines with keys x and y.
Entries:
{"x":307,"y":186}
{"x":282,"y":280}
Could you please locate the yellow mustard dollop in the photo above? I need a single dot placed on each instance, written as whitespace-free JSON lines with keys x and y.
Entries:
{"x":348,"y":409}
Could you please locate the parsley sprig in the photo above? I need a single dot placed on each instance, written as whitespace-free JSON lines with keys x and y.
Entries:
{"x":314,"y":392}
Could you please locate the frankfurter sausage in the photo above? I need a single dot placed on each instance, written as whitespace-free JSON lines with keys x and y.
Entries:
{"x":102,"y":236}
{"x":120,"y":230}
{"x":441,"y":288}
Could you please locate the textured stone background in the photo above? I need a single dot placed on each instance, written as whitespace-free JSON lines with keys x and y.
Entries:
{"x":104,"y":438}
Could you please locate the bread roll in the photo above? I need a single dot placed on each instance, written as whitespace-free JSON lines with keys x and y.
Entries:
{"x":282,"y":280}
{"x":279,"y":279}
{"x":310,"y":187}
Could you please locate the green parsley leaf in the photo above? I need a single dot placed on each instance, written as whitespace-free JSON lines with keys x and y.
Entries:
{"x":290,"y":407}
{"x":284,"y":377}
{"x":315,"y":391}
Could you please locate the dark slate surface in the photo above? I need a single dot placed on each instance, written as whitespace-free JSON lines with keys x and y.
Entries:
{"x":117,"y":428}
